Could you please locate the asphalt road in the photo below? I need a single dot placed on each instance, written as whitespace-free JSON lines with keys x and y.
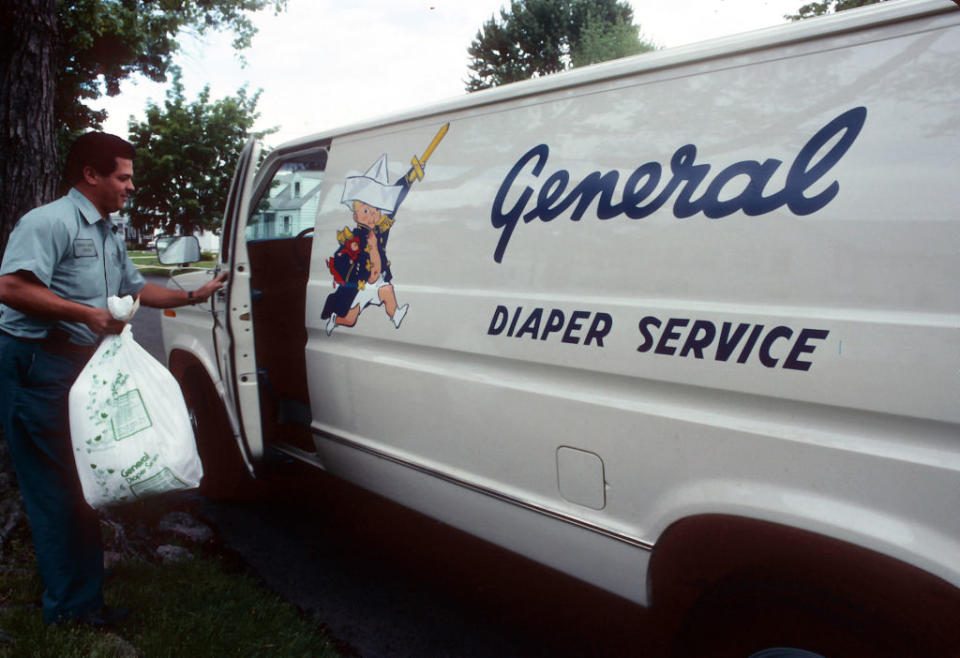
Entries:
{"x":390,"y":582}
{"x":146,"y":331}
{"x":387,"y":581}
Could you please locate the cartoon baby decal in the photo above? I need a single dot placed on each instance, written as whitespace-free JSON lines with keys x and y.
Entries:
{"x":360,"y":268}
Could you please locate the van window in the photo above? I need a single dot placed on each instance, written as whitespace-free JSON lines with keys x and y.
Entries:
{"x":289,"y":203}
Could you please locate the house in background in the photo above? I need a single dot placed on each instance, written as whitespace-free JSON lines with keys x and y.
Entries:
{"x":136,"y":238}
{"x":289,"y":207}
{"x":131,"y":235}
{"x":209,"y":241}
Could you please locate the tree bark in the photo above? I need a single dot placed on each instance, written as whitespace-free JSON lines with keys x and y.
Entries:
{"x":28,"y":151}
{"x":28,"y":139}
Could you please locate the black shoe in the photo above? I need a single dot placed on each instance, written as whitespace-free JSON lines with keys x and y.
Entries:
{"x":104,"y":617}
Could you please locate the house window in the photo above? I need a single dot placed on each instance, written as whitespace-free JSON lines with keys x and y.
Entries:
{"x":296,"y":190}
{"x":286,"y":221}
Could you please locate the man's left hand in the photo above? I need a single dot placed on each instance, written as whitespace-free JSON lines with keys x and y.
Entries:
{"x":160,"y":297}
{"x":203,"y":293}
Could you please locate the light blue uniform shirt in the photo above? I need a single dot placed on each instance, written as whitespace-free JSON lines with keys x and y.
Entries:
{"x":76,"y":254}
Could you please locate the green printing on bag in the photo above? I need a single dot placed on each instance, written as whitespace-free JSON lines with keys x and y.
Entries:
{"x":112,"y":416}
{"x":163,"y":481}
{"x":137,"y":470}
{"x":111,"y":487}
{"x":130,"y":415}
{"x":98,"y":443}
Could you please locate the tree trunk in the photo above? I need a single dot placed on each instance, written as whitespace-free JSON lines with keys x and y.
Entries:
{"x":28,"y":139}
{"x":28,"y":152}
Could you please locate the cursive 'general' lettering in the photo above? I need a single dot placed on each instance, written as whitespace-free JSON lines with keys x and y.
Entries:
{"x":686,"y":176}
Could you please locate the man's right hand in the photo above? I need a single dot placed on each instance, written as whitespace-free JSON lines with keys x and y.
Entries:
{"x":23,"y":291}
{"x":101,"y":321}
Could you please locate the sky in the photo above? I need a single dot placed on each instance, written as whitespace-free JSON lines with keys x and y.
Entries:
{"x":322,"y":64}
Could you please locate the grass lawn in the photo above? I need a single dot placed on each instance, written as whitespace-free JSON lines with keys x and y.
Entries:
{"x":146,"y":261}
{"x":207,"y":606}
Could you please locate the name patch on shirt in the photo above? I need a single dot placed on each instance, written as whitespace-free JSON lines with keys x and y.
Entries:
{"x":84,"y":248}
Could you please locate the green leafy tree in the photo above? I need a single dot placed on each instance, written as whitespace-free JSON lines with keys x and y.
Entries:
{"x":828,"y":7}
{"x":58,"y":55}
{"x":185,"y":157}
{"x":539,"y":37}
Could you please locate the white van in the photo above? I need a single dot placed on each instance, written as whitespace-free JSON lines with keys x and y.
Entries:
{"x":685,"y":325}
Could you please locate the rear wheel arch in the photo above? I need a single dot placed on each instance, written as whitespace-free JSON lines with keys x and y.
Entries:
{"x":705,"y":568}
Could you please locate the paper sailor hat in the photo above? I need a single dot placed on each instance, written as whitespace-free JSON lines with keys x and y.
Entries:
{"x":372,"y":188}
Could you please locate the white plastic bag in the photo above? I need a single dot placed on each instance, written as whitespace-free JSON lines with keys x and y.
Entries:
{"x":129,"y":425}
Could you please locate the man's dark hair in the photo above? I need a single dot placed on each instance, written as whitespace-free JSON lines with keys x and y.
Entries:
{"x":97,"y":150}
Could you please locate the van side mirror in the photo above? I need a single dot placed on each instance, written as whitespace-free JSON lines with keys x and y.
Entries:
{"x":178,"y":249}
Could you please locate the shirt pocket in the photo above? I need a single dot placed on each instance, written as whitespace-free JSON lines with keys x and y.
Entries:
{"x":80,"y":279}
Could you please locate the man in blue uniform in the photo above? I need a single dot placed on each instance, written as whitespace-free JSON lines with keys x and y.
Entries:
{"x":62,"y":262}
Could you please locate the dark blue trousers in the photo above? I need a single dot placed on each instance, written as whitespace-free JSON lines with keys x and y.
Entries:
{"x":34,"y":389}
